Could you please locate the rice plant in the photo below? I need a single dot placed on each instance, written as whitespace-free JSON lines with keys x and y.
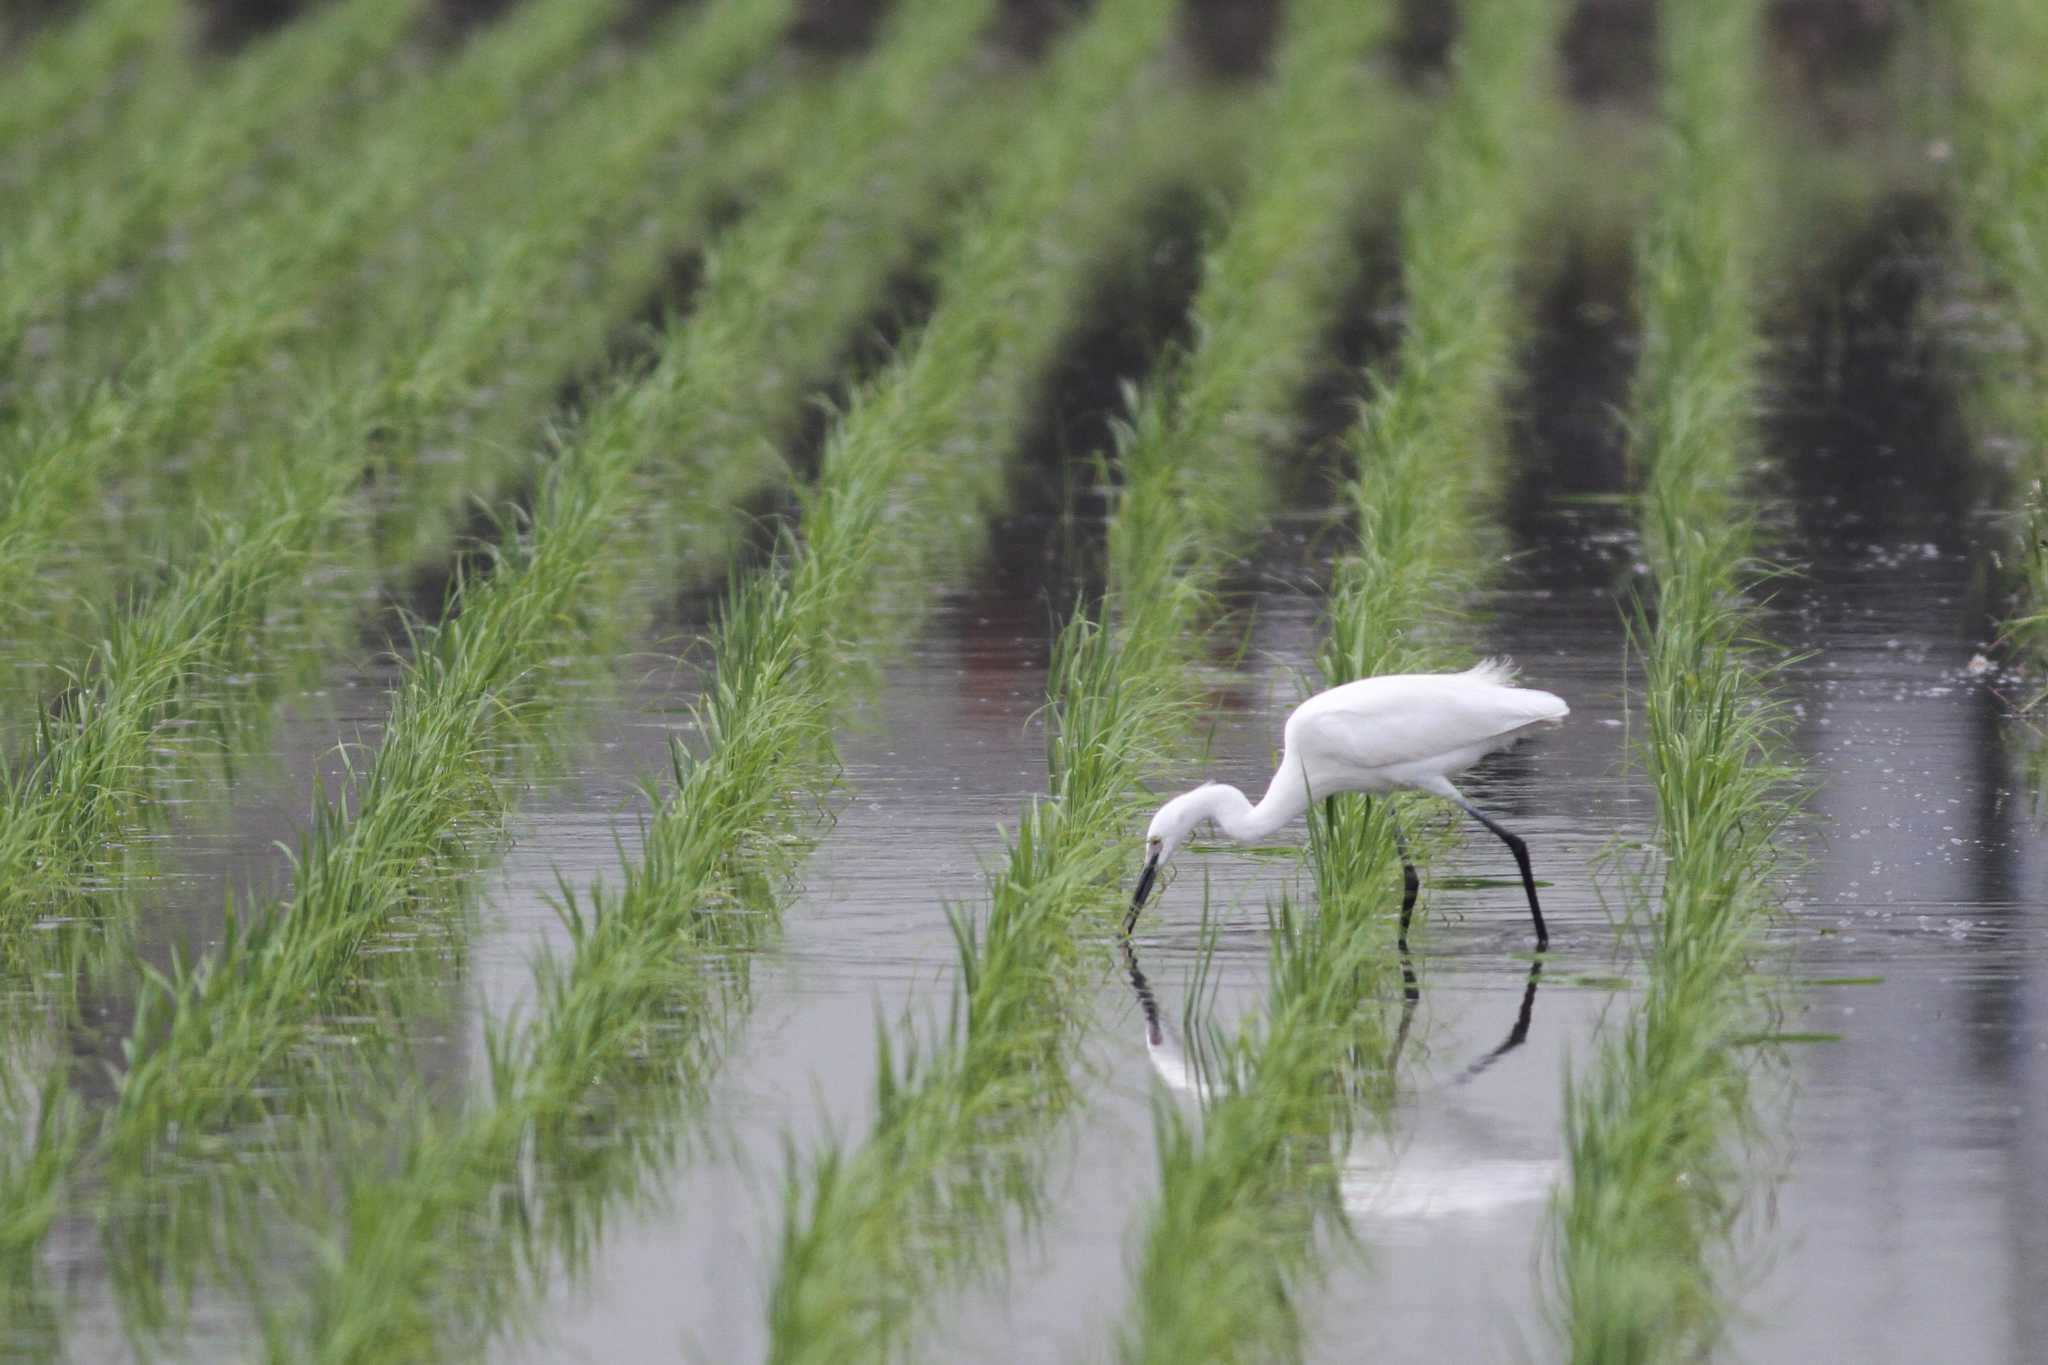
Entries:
{"x":87,"y":777}
{"x":1230,"y":1244}
{"x":89,"y":767}
{"x":429,"y":795}
{"x":2000,"y":193}
{"x":58,"y":82}
{"x":186,"y":155}
{"x":432,"y":1253}
{"x":65,"y":447}
{"x":1654,"y":1125}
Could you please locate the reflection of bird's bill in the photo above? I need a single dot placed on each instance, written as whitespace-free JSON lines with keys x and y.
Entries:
{"x":1145,"y":880}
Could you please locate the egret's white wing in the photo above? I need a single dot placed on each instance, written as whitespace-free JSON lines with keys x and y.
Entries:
{"x":1410,"y":718}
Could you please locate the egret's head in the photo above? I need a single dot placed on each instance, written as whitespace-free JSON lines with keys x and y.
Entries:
{"x":1170,"y":828}
{"x":1177,"y":819}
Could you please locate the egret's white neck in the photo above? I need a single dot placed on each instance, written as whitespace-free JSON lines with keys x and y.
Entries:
{"x":1286,"y":798}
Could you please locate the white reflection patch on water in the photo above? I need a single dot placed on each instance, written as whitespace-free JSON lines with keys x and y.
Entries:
{"x":1389,"y":1187}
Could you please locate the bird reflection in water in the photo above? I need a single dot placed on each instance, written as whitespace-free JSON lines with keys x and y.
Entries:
{"x":1454,"y":1164}
{"x":1183,"y":1074}
{"x":1450,"y":1159}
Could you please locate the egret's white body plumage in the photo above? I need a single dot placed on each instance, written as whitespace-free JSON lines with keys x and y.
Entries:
{"x":1401,"y":730}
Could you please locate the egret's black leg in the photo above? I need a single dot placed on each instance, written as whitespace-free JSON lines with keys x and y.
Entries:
{"x":1521,"y":852}
{"x":1411,"y":884}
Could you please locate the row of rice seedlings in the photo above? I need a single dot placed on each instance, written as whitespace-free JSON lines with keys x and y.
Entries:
{"x":186,"y":153}
{"x":64,"y":449}
{"x":2001,"y":197}
{"x":1655,"y":1186}
{"x":1231,"y":1243}
{"x":175,"y":1226}
{"x":898,"y":483}
{"x":202,"y":1035}
{"x":955,"y":1147}
{"x":920,"y":43}
{"x":424,"y":122}
{"x":65,"y":76}
{"x":200,"y":1039}
{"x":877,"y":169}
{"x":85,"y":778}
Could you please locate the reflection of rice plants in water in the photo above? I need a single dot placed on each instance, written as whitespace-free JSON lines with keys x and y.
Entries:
{"x":1656,"y":1123}
{"x":325,"y":335}
{"x":1230,"y":1246}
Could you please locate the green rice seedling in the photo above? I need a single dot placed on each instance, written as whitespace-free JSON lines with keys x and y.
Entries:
{"x":955,"y":1149}
{"x":1656,"y":1184}
{"x":618,"y":1037}
{"x":86,"y":772}
{"x":1241,"y":1199}
{"x":924,"y":1199}
{"x":86,"y":778}
{"x":271,"y":977}
{"x":204,"y":1035}
{"x":1231,"y":1244}
{"x":61,"y":79}
{"x":184,"y":158}
{"x":64,"y":449}
{"x":2000,"y":194}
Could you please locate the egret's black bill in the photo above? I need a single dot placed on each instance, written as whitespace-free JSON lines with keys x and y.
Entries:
{"x":1145,"y":880}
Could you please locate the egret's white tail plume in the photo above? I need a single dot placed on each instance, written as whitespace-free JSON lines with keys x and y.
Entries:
{"x":1499,"y":671}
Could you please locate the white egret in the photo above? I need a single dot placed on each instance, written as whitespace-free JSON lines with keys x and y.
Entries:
{"x":1402,"y":730}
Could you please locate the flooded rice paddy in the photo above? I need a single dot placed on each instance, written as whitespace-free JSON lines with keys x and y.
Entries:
{"x":1904,"y":1169}
{"x":1889,"y":1199}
